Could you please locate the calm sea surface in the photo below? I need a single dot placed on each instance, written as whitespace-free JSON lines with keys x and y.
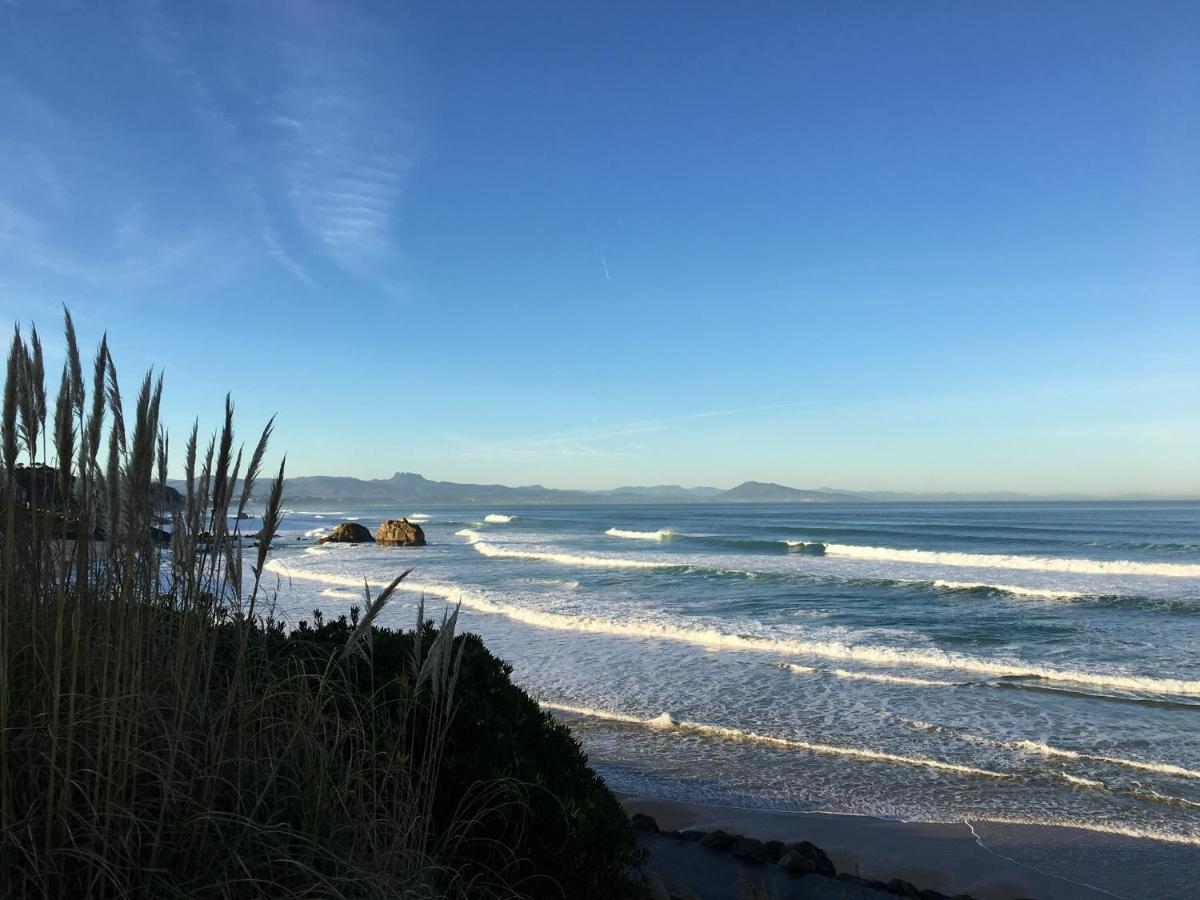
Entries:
{"x":935,"y":662}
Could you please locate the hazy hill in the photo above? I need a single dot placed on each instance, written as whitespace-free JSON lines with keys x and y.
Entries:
{"x":409,"y":488}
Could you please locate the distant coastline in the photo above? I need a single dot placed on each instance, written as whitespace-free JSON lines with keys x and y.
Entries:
{"x":409,"y":488}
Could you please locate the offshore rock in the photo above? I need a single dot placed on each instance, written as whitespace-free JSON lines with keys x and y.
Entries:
{"x":347,"y":533}
{"x":400,"y":532}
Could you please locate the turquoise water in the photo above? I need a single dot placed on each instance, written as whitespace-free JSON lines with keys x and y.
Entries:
{"x":933,"y":662}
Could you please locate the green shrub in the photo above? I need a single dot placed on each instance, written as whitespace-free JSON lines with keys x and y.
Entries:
{"x":558,"y":829}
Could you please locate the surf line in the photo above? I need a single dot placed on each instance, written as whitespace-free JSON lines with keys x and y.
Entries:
{"x":710,"y":638}
{"x":666,"y":721}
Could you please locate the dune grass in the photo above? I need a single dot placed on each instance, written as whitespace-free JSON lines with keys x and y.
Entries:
{"x":158,"y":735}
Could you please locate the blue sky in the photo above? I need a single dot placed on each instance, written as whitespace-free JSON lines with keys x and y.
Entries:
{"x":935,"y":246}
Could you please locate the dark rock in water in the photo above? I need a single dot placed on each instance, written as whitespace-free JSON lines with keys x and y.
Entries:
{"x":804,"y":857}
{"x":774,"y":850}
{"x":750,"y":849}
{"x":718,"y":840}
{"x":347,"y":533}
{"x":642,"y":822}
{"x":400,"y":533}
{"x":692,"y":837}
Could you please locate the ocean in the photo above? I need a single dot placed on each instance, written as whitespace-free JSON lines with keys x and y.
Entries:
{"x":1019,"y":663}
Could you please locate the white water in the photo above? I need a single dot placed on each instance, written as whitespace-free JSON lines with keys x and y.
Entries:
{"x":1004,"y":561}
{"x":661,"y":535}
{"x":904,"y":658}
{"x":1015,"y":590}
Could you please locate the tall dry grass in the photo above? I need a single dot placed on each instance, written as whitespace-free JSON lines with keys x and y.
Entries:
{"x":153,"y":741}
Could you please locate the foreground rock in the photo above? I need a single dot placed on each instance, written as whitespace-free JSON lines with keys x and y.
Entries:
{"x":400,"y":533}
{"x":347,"y":533}
{"x":716,"y":864}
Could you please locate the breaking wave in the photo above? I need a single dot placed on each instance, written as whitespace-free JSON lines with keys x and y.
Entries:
{"x":497,"y":519}
{"x":666,"y":720}
{"x":661,"y":535}
{"x":892,"y":657}
{"x":1014,"y":589}
{"x":880,"y":677}
{"x":1048,"y":750}
{"x":1000,"y":561}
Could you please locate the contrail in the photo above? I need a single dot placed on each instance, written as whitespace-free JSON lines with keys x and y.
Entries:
{"x":604,"y":262}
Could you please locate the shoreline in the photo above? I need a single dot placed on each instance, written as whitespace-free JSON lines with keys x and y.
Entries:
{"x":988,"y":861}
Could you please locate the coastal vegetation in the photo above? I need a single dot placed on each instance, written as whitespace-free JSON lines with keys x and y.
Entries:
{"x":164,"y":734}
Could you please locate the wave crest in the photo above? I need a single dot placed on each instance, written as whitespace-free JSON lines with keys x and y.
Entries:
{"x":1000,"y":561}
{"x":661,"y":535}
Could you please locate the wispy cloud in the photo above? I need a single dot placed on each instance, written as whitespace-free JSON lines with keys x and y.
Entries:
{"x":595,"y":440}
{"x":295,"y":146}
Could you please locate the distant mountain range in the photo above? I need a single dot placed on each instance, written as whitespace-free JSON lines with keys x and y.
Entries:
{"x":406,"y":488}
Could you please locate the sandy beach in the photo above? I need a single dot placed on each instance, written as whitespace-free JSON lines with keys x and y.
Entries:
{"x":988,"y":861}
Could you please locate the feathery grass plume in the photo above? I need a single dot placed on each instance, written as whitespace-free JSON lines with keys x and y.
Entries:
{"x":272,"y":515}
{"x":73,"y":360}
{"x":64,"y":431}
{"x":26,"y":402}
{"x":12,"y":399}
{"x":113,"y":388}
{"x":255,"y":465}
{"x":362,"y":631}
{"x":221,"y":472}
{"x":96,"y":418}
{"x":37,"y":383}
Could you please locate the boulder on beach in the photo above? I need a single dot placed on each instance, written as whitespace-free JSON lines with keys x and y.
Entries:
{"x":347,"y":533}
{"x":400,"y":532}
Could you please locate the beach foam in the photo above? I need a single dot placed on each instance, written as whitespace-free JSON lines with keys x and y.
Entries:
{"x":665,"y":720}
{"x":565,"y":559}
{"x":1043,"y":749}
{"x":497,"y":519}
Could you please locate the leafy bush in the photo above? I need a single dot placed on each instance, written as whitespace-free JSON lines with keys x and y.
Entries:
{"x":550,"y":824}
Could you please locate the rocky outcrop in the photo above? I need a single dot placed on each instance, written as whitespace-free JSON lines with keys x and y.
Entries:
{"x":347,"y":533}
{"x":400,"y":533}
{"x":798,"y":859}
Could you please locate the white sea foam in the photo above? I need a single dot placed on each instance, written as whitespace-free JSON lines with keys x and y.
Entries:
{"x":566,"y":559}
{"x":316,"y":533}
{"x":1156,"y":767}
{"x":1103,"y":828}
{"x":467,"y":533}
{"x":1043,"y":749}
{"x":1000,"y":561}
{"x":497,"y":519}
{"x":419,"y":517}
{"x":880,"y":677}
{"x":1014,"y":589}
{"x":835,"y":650}
{"x":665,"y":720}
{"x":335,"y":594}
{"x":883,"y":678}
{"x":661,"y":535}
